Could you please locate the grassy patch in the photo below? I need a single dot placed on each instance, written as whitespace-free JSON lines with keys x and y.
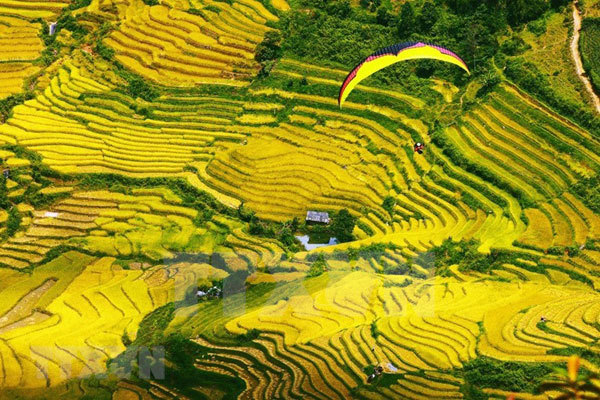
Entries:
{"x":485,"y":372}
{"x":467,"y":257}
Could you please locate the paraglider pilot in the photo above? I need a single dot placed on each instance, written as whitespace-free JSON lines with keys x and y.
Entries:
{"x":378,"y":371}
{"x":419,"y":147}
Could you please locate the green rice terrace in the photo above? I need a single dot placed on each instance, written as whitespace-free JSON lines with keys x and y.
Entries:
{"x":200,"y":200}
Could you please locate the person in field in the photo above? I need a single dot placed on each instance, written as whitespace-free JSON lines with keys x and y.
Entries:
{"x":419,"y":147}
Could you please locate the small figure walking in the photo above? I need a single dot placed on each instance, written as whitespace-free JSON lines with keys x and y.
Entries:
{"x":378,"y":371}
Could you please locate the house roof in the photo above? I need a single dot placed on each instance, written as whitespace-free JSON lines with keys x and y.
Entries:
{"x":317,"y":216}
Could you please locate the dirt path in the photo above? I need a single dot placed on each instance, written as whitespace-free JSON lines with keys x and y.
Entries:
{"x":577,"y":57}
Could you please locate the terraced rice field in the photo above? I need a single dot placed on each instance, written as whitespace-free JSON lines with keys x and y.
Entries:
{"x":73,"y":320}
{"x":30,"y":10}
{"x":19,"y":45}
{"x":170,"y":46}
{"x":118,"y":203}
{"x":338,"y":159}
{"x":321,"y":340}
{"x":149,"y":223}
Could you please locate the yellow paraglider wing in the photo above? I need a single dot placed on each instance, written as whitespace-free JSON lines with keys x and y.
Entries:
{"x":391,"y":55}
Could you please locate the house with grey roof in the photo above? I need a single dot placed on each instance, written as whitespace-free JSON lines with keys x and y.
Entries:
{"x":317,"y":216}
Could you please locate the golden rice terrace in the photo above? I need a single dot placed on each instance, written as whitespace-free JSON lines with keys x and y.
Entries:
{"x":186,"y":212}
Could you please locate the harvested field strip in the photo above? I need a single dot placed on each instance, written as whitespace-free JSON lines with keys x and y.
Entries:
{"x":525,"y":139}
{"x":547,"y":127}
{"x":463,"y":138}
{"x":539,"y":230}
{"x":563,"y":232}
{"x":576,"y":222}
{"x":552,"y":182}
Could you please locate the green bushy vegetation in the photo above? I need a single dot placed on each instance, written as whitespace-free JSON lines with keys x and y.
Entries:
{"x":138,"y":87}
{"x":335,"y":31}
{"x":528,"y":77}
{"x":342,"y":226}
{"x":14,"y":221}
{"x":79,"y":4}
{"x":583,"y":352}
{"x":42,"y":177}
{"x":588,"y":190}
{"x":284,"y":232}
{"x":465,"y":254}
{"x":519,"y":377}
{"x":8,"y":103}
{"x":67,"y":22}
{"x":180,"y":354}
{"x":318,"y":267}
{"x":590,"y":49}
{"x":269,"y":48}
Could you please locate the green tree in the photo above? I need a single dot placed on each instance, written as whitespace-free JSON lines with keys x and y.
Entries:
{"x":4,"y":203}
{"x":388,"y":204}
{"x":521,"y":11}
{"x":139,"y":88}
{"x":406,"y":23}
{"x":14,"y":221}
{"x":318,"y":267}
{"x":428,"y":17}
{"x":385,"y":17}
{"x":343,"y":225}
{"x":269,"y":48}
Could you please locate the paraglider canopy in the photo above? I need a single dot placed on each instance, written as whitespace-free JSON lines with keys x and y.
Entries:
{"x":393,"y":54}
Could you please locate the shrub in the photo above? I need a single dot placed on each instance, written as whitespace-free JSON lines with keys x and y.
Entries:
{"x":269,"y":49}
{"x":213,"y":8}
{"x":7,"y":104}
{"x":590,"y":38}
{"x":388,"y":204}
{"x":79,"y":4}
{"x":14,"y":221}
{"x":514,"y":46}
{"x":489,"y":81}
{"x":374,"y":331}
{"x":468,"y":258}
{"x":318,"y":267}
{"x":4,"y":202}
{"x":68,"y":22}
{"x":249,"y":336}
{"x":537,"y":27}
{"x":139,"y":88}
{"x":195,"y":11}
{"x":104,"y":51}
{"x":588,"y":190}
{"x":365,"y":228}
{"x":343,"y":225}
{"x":485,"y":372}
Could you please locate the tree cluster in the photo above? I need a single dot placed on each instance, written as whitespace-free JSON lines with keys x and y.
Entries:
{"x":338,"y":32}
